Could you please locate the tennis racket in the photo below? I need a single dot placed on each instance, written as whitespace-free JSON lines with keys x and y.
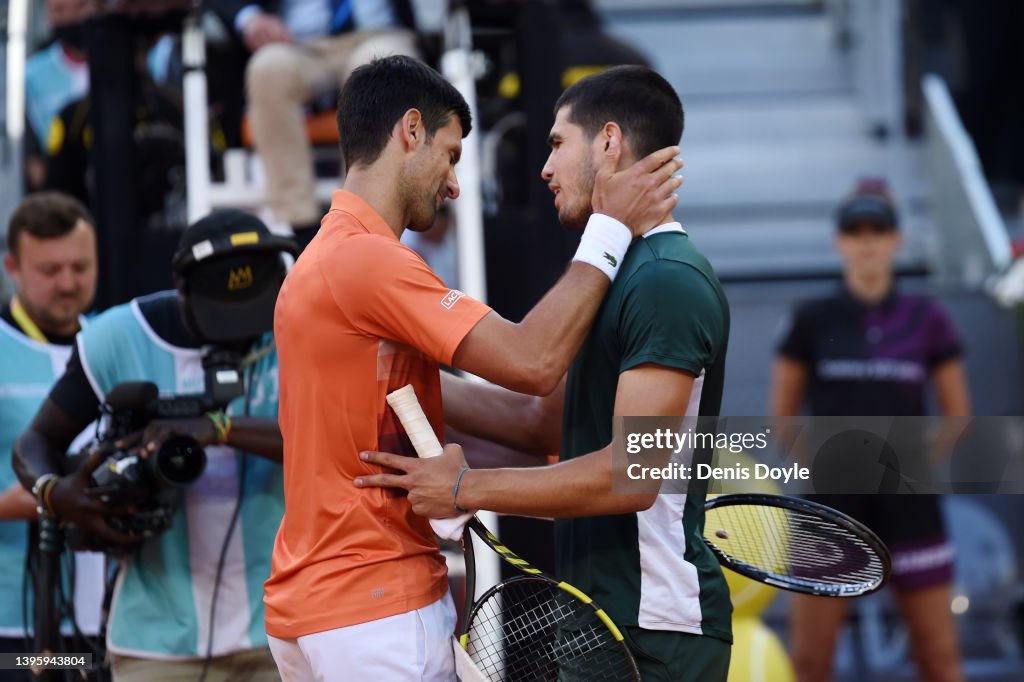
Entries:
{"x":795,"y":544}
{"x":529,"y":627}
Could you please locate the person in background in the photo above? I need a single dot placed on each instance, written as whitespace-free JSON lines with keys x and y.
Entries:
{"x":54,"y":77}
{"x":51,"y":242}
{"x":871,"y":349}
{"x":303,"y":50}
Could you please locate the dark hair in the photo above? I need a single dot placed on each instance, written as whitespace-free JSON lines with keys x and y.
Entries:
{"x":642,"y":102}
{"x":376,"y":96}
{"x":45,"y":215}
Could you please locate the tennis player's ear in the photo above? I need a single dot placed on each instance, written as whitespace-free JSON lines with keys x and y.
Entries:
{"x":411,"y":129}
{"x":610,"y":138}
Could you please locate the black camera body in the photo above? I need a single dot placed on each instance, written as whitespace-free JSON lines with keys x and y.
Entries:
{"x":150,"y":484}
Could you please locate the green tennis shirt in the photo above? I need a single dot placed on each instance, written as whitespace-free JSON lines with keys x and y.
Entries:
{"x":651,"y":568}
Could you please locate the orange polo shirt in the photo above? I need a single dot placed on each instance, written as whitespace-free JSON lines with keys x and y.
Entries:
{"x":358,"y":316}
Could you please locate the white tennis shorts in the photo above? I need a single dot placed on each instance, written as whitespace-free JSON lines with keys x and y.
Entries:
{"x":412,"y":646}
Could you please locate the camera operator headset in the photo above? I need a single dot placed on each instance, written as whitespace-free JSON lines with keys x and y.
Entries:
{"x":216,"y":554}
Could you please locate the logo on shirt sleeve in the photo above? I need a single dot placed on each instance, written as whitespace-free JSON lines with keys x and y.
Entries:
{"x":451,"y":298}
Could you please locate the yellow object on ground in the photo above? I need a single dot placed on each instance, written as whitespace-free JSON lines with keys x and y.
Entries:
{"x":757,"y":654}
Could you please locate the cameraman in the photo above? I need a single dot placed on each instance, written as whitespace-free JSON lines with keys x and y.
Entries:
{"x":188,"y":602}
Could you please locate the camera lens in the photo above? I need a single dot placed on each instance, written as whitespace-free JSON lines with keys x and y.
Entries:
{"x":180,"y":461}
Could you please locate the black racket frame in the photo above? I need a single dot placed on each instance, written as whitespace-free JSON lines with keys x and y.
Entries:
{"x":792,"y":583}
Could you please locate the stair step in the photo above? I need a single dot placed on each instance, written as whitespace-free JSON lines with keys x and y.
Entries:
{"x":784,"y":247}
{"x":712,"y":54}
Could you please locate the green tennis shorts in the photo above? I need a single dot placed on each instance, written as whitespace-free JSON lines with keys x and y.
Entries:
{"x":665,"y":656}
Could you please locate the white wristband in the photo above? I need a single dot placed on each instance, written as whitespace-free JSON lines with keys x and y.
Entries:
{"x":604,"y":244}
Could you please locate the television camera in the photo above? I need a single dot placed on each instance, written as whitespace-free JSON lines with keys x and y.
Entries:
{"x":150,"y":484}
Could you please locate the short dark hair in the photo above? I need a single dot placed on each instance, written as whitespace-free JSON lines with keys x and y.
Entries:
{"x":45,"y":215}
{"x":376,"y":96}
{"x":643,"y":103}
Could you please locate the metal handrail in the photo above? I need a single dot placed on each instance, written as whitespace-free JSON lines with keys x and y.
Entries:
{"x":975,"y":243}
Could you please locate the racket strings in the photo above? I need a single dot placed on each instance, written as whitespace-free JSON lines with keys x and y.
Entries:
{"x":532,"y":631}
{"x":799,"y":545}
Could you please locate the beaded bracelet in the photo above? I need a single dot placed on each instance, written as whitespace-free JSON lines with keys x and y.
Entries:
{"x":222,"y":424}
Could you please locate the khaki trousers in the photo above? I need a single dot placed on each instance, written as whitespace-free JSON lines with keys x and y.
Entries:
{"x":255,"y":665}
{"x":280,"y":79}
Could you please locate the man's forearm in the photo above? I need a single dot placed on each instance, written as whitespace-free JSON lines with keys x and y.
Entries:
{"x":519,"y":421}
{"x":32,"y":457}
{"x":554,"y":330}
{"x":579,"y":487}
{"x":531,"y":356}
{"x":258,"y":435}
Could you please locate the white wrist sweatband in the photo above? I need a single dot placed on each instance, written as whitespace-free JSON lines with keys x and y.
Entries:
{"x":604,"y":244}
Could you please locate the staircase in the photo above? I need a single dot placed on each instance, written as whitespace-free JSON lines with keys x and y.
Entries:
{"x":780,"y":122}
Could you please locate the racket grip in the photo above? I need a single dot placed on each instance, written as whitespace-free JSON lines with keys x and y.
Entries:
{"x":425,"y":442}
{"x":420,"y":432}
